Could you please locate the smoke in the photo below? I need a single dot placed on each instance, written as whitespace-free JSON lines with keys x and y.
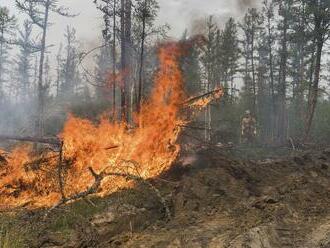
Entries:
{"x":243,"y":5}
{"x":229,"y":8}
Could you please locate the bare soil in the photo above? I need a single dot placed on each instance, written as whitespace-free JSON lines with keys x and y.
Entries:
{"x":215,"y":201}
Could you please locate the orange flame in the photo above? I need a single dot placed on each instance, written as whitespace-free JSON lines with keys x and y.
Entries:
{"x":147,"y":150}
{"x":201,"y":102}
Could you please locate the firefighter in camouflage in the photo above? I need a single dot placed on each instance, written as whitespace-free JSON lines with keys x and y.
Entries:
{"x":248,"y":128}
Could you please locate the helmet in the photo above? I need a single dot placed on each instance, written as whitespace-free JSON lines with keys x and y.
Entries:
{"x":247,"y":112}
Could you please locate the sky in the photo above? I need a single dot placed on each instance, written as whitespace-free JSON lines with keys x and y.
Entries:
{"x":179,"y":14}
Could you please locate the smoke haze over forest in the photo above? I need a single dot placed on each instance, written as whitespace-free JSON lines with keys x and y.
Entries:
{"x":267,"y":58}
{"x":179,"y":14}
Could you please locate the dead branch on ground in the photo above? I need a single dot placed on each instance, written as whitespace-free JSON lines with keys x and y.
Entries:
{"x":98,"y":178}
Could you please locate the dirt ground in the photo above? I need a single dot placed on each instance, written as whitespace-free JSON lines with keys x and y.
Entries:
{"x":215,"y":200}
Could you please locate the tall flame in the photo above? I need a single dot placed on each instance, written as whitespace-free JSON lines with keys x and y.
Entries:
{"x":146,"y":150}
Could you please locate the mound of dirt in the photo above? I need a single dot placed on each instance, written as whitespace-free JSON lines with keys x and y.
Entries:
{"x":216,"y":201}
{"x":228,"y":203}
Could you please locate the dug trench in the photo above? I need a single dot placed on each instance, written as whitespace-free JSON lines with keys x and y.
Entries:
{"x":215,"y":200}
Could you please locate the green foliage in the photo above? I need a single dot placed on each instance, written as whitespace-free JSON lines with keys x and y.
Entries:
{"x":228,"y":51}
{"x":191,"y":69}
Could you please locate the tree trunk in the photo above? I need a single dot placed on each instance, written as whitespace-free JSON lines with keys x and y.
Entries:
{"x":140,"y":87}
{"x":39,"y":128}
{"x":1,"y":64}
{"x":315,"y":87}
{"x":128,"y":45}
{"x":300,"y":112}
{"x":282,"y":115}
{"x":114,"y":56}
{"x":125,"y":56}
{"x":123,"y":61}
{"x":253,"y":74}
{"x":272,"y":88}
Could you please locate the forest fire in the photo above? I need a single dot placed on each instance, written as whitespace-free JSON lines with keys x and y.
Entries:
{"x":134,"y":123}
{"x":145,"y":151}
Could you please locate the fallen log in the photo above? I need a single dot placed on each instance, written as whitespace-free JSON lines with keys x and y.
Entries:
{"x":41,"y":140}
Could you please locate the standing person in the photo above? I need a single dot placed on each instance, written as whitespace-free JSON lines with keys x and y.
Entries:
{"x":248,"y":128}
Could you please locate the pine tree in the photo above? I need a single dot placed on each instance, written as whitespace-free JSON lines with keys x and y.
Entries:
{"x":110,"y":10}
{"x":319,"y":18}
{"x":270,"y":42}
{"x":145,"y":14}
{"x":190,"y":64}
{"x":69,"y":66}
{"x":7,"y":27}
{"x":209,"y":62}
{"x":251,"y":26}
{"x":301,"y":50}
{"x":229,"y":54}
{"x":26,"y":50}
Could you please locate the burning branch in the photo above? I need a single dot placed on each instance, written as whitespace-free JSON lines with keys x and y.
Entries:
{"x":203,"y":100}
{"x":60,"y":170}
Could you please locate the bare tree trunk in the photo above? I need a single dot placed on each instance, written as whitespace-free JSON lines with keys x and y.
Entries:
{"x":315,"y":87}
{"x":1,"y":63}
{"x":123,"y":61}
{"x":114,"y":56}
{"x":58,"y":72}
{"x":311,"y":74}
{"x":299,"y":96}
{"x":40,"y":112}
{"x":272,"y":89}
{"x":125,"y":43}
{"x":253,"y":75}
{"x":140,"y":88}
{"x":128,"y":45}
{"x":301,"y":77}
{"x":282,"y":116}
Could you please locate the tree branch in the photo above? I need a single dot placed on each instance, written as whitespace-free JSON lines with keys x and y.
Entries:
{"x":98,"y":178}
{"x":41,"y":140}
